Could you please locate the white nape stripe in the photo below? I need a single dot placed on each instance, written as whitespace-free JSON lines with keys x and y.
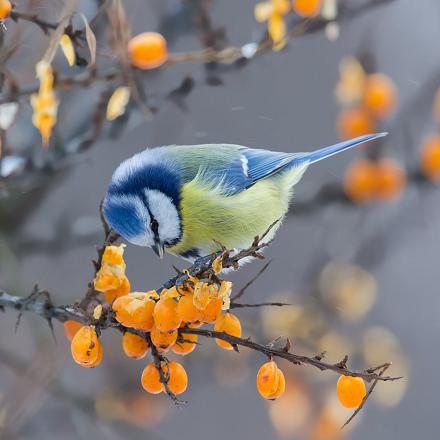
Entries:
{"x":244,"y":164}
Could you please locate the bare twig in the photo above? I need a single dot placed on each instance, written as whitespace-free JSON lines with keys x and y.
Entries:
{"x":250,"y":282}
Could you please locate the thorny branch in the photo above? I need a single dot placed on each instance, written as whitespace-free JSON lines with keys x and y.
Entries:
{"x":39,"y":302}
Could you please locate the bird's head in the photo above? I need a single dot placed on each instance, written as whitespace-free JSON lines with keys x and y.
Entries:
{"x":142,"y":204}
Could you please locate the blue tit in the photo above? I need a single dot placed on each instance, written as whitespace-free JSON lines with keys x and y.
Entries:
{"x":187,"y":199}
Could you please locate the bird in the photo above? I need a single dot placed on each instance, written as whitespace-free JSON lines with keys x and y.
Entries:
{"x":192,"y":200}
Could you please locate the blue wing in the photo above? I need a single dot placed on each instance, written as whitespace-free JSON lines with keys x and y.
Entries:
{"x":260,"y":164}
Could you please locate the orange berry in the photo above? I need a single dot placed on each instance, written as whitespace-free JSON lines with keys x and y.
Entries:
{"x":163,"y":340}
{"x":229,"y":324}
{"x":5,"y":9}
{"x":380,"y":95}
{"x":187,"y":311}
{"x":150,"y":380}
{"x":306,"y":8}
{"x":360,"y":180}
{"x":86,"y":347}
{"x":165,"y":315}
{"x":270,"y":381}
{"x":134,"y":346}
{"x":114,"y":255}
{"x":430,"y":157}
{"x":123,"y":289}
{"x":194,"y":324}
{"x":108,"y":278}
{"x":135,"y":310}
{"x":185,"y":347}
{"x":177,"y":377}
{"x":351,"y":391}
{"x":353,"y":122}
{"x":390,"y":179}
{"x":281,"y":386}
{"x":70,"y":328}
{"x":212,"y":311}
{"x":148,"y":50}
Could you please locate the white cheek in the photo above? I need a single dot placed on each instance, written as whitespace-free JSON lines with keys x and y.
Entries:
{"x":142,"y":240}
{"x":165,"y":212}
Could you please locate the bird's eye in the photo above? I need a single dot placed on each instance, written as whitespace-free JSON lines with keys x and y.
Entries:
{"x":154,"y":225}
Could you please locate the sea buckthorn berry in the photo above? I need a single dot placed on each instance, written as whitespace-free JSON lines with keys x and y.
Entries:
{"x":177,"y":377}
{"x":186,"y":346}
{"x":86,"y":347}
{"x":134,"y":346}
{"x":270,"y":381}
{"x":165,"y":315}
{"x":380,"y":95}
{"x":187,"y":311}
{"x":281,"y":386}
{"x":351,"y":391}
{"x":354,"y":122}
{"x":360,"y":180}
{"x":217,"y":264}
{"x":229,"y":324}
{"x":148,"y":50}
{"x":212,"y":311}
{"x":123,"y":289}
{"x":430,"y":157}
{"x":114,"y":255}
{"x":390,"y":178}
{"x":108,"y":278}
{"x":70,"y":329}
{"x":307,"y":8}
{"x":151,"y":380}
{"x":203,"y":294}
{"x":135,"y":310}
{"x":163,"y":340}
{"x":5,"y":9}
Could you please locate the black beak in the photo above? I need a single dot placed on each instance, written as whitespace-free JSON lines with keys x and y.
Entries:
{"x":158,"y":249}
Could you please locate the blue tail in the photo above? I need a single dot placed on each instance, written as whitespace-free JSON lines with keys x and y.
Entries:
{"x":323,"y":153}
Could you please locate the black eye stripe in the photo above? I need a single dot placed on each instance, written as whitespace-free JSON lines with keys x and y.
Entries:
{"x":154,"y":225}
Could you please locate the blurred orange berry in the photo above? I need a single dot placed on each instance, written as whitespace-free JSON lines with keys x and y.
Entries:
{"x":70,"y":328}
{"x":123,"y":289}
{"x":360,"y":180}
{"x":380,"y":95}
{"x":165,"y":315}
{"x":186,"y":346}
{"x":306,"y":8}
{"x":187,"y":311}
{"x":354,"y":122}
{"x":270,"y":381}
{"x":177,"y":377}
{"x":351,"y":391}
{"x":148,"y":50}
{"x":212,"y":311}
{"x":135,"y":310}
{"x":86,"y":347}
{"x":134,"y":346}
{"x":163,"y":340}
{"x":5,"y":9}
{"x":430,"y":157}
{"x":230,"y":324}
{"x":390,"y":180}
{"x":150,"y":380}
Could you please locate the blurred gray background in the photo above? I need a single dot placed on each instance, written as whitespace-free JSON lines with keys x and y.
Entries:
{"x":282,"y":101}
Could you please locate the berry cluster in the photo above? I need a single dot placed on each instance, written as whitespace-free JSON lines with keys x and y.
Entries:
{"x":156,"y":322}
